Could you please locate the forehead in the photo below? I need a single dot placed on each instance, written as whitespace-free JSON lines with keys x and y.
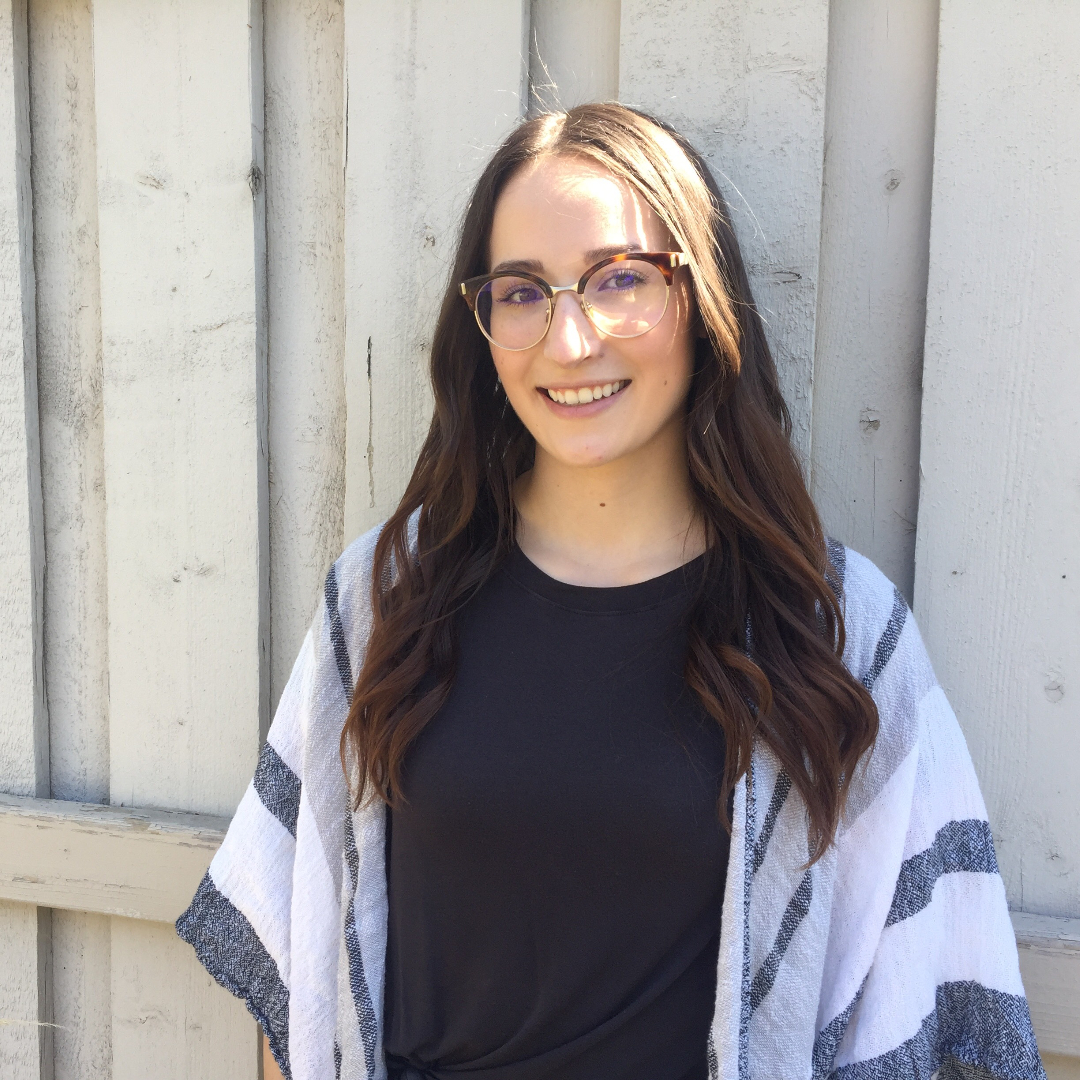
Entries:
{"x":557,"y":208}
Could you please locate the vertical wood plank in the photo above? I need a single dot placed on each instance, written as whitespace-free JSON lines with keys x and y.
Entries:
{"x":434,"y":85}
{"x":183,"y":390}
{"x":170,"y":1019}
{"x":746,"y":84}
{"x":305,"y":213}
{"x":573,"y":53}
{"x":179,"y":101}
{"x":69,"y":390}
{"x":997,"y":587}
{"x":25,"y":1040}
{"x":875,"y":235}
{"x":82,"y":996}
{"x":64,"y":165}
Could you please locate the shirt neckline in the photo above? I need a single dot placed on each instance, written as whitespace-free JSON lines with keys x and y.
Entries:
{"x":608,"y":600}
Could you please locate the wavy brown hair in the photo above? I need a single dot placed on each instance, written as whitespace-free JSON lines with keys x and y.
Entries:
{"x":766,"y":630}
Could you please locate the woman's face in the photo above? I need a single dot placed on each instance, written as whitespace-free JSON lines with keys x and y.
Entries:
{"x":558,"y":217}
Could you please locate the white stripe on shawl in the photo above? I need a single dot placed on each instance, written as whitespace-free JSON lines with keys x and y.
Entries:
{"x":944,"y":943}
{"x":315,"y":932}
{"x":246,"y":875}
{"x":868,"y":857}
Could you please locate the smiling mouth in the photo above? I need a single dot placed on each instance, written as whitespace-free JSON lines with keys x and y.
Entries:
{"x":583,"y":395}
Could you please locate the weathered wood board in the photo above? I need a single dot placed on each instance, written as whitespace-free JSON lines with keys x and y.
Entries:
{"x":143,"y":864}
{"x":25,"y":1041}
{"x":433,"y":88}
{"x":305,"y":215}
{"x":1050,"y":967}
{"x":182,"y":252}
{"x":573,"y":53}
{"x":746,"y":84}
{"x":64,"y":179}
{"x":997,"y":586}
{"x":871,"y":310}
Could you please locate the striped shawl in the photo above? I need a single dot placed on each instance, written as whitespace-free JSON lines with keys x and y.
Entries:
{"x":891,"y":958}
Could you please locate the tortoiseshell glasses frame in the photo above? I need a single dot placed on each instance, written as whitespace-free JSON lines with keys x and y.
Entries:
{"x":664,"y":261}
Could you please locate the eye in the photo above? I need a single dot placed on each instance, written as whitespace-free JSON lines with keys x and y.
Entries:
{"x":517,"y":292}
{"x":620,"y":279}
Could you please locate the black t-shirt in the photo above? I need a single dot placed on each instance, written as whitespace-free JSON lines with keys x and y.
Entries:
{"x":557,"y":869}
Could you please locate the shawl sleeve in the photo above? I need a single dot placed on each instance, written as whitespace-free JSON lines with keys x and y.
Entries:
{"x":938,"y":979}
{"x":266,"y":920}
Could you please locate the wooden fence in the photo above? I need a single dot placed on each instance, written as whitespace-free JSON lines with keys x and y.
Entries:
{"x":224,"y":226}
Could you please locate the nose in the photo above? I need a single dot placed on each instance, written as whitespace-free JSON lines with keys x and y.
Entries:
{"x":571,"y":337}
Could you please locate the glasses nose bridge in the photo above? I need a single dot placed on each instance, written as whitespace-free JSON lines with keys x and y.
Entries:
{"x":556,"y":289}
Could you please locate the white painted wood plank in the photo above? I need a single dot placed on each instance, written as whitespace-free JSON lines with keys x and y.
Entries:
{"x":997,"y":588}
{"x":746,"y":84}
{"x":1060,"y":1067}
{"x":143,"y":864}
{"x":573,"y":53}
{"x":82,"y":1007}
{"x":170,"y":1019}
{"x":179,"y":102}
{"x":25,"y":1041}
{"x":1050,"y":966}
{"x":305,"y":213}
{"x":64,"y":167}
{"x":24,"y":738}
{"x":181,"y":269}
{"x":433,"y":88}
{"x":875,"y":234}
{"x":69,"y":393}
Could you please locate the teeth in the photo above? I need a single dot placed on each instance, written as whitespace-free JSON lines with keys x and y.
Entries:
{"x":586,"y":393}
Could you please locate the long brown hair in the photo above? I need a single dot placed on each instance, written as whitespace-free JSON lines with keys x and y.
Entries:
{"x":766,"y":631}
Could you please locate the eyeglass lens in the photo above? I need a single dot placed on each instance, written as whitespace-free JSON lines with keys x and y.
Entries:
{"x":623,"y":299}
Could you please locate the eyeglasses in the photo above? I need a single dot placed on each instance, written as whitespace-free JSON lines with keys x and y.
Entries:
{"x":623,"y":296}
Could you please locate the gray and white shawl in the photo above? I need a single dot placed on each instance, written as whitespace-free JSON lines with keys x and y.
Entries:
{"x":891,"y":957}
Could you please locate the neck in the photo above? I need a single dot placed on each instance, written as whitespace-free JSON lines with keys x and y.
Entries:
{"x":617,"y":523}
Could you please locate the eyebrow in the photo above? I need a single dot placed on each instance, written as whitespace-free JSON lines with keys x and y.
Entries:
{"x":535,"y":266}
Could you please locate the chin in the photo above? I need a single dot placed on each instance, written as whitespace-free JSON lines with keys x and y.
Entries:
{"x":585,"y":456}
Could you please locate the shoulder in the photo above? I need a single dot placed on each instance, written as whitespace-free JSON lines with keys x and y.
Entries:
{"x":346,"y":603}
{"x":884,"y":651}
{"x":875,"y":613}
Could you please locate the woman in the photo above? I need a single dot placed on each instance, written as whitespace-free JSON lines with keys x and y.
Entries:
{"x":644,"y":779}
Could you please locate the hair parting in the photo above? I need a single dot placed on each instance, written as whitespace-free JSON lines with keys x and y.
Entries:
{"x":766,"y":566}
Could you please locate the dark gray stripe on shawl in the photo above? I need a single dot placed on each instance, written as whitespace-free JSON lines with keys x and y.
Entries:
{"x":278,"y":787}
{"x":337,"y":633}
{"x":779,"y":796}
{"x":973,"y":1031}
{"x":886,"y":645}
{"x":361,"y":994}
{"x":711,"y":1059}
{"x":228,"y":947}
{"x":838,"y":558}
{"x":337,"y":1060}
{"x":831,"y":1035}
{"x":745,"y":1011}
{"x":794,"y":913}
{"x":958,"y":846}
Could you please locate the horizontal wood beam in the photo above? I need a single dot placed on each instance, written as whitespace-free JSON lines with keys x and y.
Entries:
{"x":143,"y":864}
{"x":146,"y":864}
{"x":1050,"y":967}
